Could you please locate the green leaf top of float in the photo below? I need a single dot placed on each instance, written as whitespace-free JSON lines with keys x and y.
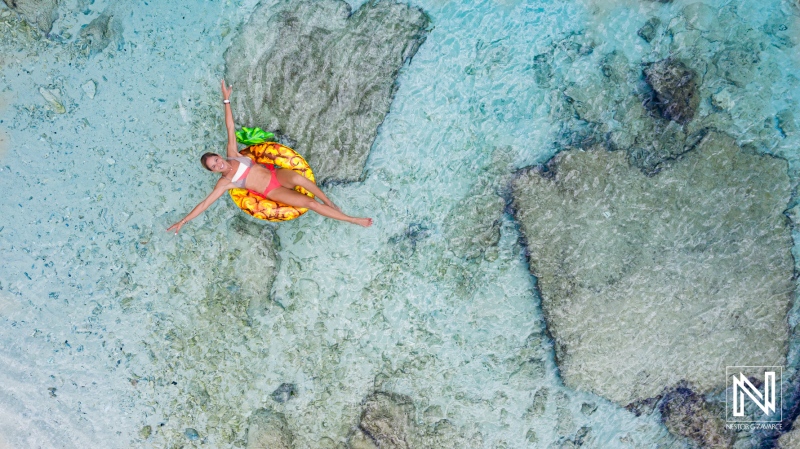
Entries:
{"x":253,"y":136}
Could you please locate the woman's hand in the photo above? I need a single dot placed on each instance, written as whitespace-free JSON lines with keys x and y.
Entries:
{"x":177,"y":226}
{"x":226,"y":91}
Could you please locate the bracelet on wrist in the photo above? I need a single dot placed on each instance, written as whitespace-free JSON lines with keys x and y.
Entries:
{"x":226,"y":101}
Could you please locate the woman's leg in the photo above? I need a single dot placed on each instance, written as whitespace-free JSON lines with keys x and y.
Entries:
{"x":291,"y":179}
{"x":296,"y":199}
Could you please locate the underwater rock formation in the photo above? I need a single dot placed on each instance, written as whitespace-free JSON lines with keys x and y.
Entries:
{"x":387,"y":421}
{"x":268,"y":430}
{"x":387,"y":418}
{"x":481,"y":231}
{"x":675,"y":89}
{"x":99,"y":33}
{"x":445,"y":435}
{"x":687,"y":413}
{"x":648,"y":30}
{"x":53,"y":97}
{"x":790,"y":440}
{"x":41,"y":13}
{"x":656,"y":106}
{"x":598,"y":113}
{"x":285,"y":392}
{"x":650,"y":281}
{"x":473,"y":228}
{"x":323,"y":77}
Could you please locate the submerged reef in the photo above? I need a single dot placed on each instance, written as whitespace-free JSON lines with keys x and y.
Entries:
{"x":323,"y":77}
{"x":703,"y":68}
{"x":268,"y":430}
{"x":647,"y":282}
{"x":675,"y":90}
{"x":99,"y":33}
{"x":790,"y":440}
{"x":41,"y":13}
{"x":387,"y":421}
{"x":670,"y":276}
{"x":688,"y":414}
{"x":473,"y":228}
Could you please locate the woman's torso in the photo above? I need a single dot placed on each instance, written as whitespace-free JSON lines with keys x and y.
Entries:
{"x":257,"y":178}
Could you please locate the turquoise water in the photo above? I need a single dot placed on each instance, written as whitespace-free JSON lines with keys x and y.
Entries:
{"x":109,"y":324}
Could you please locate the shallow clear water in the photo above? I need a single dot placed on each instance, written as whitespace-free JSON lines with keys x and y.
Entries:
{"x":109,"y":324}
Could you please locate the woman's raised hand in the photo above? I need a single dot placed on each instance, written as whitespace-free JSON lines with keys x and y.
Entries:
{"x":226,"y":91}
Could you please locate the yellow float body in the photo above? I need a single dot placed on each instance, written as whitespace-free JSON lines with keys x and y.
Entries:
{"x":283,"y":157}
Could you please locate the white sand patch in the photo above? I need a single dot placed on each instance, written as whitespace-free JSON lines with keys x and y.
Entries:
{"x":5,"y":100}
{"x":8,"y":305}
{"x":5,"y":143}
{"x":604,"y":11}
{"x":5,"y":140}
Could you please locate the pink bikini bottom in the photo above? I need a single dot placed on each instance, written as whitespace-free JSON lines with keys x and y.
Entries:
{"x":273,"y":181}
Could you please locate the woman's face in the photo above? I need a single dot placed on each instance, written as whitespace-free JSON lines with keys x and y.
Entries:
{"x":216,"y":164}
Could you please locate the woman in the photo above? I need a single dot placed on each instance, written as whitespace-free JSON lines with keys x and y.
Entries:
{"x":274,"y":183}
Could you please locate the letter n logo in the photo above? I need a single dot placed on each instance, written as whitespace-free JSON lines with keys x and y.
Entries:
{"x":743,"y":391}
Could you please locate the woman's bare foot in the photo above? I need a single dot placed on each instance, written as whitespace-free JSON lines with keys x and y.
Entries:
{"x":366,"y":222}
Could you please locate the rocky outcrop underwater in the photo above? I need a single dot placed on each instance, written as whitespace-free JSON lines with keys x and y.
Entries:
{"x":41,"y":13}
{"x":323,"y":76}
{"x":387,"y":421}
{"x":658,"y":233}
{"x":647,"y":281}
{"x":706,"y":68}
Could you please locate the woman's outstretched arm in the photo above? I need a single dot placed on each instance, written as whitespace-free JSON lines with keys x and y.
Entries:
{"x":221,"y":187}
{"x":233,"y":150}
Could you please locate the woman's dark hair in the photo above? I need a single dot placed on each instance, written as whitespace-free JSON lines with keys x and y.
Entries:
{"x":205,"y":157}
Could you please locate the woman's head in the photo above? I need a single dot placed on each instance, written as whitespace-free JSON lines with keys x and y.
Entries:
{"x":212,"y":162}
